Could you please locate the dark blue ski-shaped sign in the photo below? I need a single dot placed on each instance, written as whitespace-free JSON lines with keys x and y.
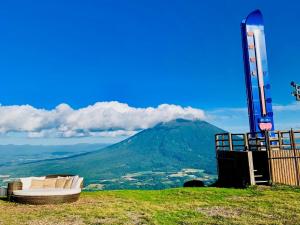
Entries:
{"x":256,"y":73}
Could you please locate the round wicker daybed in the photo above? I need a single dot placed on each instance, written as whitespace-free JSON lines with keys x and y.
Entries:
{"x":21,"y":192}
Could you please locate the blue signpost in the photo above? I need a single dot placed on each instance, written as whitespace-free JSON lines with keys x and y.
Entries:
{"x":256,"y":74}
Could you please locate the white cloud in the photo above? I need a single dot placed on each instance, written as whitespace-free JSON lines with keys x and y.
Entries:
{"x":106,"y":119}
{"x":117,"y":120}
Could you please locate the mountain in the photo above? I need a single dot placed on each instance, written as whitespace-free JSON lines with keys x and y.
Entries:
{"x":163,"y":156}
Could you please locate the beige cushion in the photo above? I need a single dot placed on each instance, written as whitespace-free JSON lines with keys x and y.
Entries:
{"x":68,"y":183}
{"x":49,"y":183}
{"x":26,"y":181}
{"x":60,"y":182}
{"x":36,"y":184}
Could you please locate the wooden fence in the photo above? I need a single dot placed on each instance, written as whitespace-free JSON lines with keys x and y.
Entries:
{"x":282,"y":148}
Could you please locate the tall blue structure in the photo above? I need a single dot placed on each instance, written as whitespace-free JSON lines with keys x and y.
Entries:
{"x":256,"y":74}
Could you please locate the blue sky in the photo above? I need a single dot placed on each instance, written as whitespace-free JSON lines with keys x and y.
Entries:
{"x":142,"y":53}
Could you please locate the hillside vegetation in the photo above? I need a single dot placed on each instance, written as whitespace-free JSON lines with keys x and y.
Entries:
{"x":256,"y":205}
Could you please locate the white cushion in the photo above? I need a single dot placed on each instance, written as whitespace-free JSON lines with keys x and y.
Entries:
{"x":47,"y":192}
{"x":78,"y":183}
{"x":26,"y":181}
{"x":74,"y":182}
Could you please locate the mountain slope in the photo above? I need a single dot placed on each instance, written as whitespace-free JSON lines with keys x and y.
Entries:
{"x":163,"y":156}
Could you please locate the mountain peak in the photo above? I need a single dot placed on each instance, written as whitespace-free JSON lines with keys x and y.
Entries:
{"x":185,"y":123}
{"x":179,"y":121}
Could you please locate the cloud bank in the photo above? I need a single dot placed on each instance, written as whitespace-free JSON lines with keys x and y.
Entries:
{"x":117,"y":120}
{"x":107,"y":119}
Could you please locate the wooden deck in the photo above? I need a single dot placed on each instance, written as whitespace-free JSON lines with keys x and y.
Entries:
{"x":249,"y":159}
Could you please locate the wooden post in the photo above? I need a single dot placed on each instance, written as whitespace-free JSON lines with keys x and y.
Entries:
{"x":268,"y":149}
{"x":250,"y":141}
{"x":217,"y":142}
{"x":223,"y":142}
{"x":293,"y":146}
{"x":246,"y":142}
{"x":230,"y":142}
{"x":267,"y":141}
{"x":217,"y":151}
{"x":280,"y":140}
{"x":251,"y":168}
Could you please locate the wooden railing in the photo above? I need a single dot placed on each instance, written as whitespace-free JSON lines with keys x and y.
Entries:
{"x":273,"y":140}
{"x":274,"y":154}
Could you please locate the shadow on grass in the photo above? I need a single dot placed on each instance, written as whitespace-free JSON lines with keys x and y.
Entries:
{"x":4,"y":199}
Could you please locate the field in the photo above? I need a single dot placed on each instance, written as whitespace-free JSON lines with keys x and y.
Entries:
{"x":255,"y":205}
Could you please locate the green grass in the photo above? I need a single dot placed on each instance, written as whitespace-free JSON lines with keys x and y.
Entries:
{"x":256,"y":205}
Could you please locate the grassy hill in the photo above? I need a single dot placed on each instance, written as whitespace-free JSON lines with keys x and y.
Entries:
{"x":257,"y":205}
{"x":163,"y":156}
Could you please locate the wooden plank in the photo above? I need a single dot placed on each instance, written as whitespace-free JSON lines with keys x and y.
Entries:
{"x":298,"y":167}
{"x":251,"y":169}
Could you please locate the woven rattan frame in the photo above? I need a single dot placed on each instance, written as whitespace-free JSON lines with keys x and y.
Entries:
{"x":43,"y":200}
